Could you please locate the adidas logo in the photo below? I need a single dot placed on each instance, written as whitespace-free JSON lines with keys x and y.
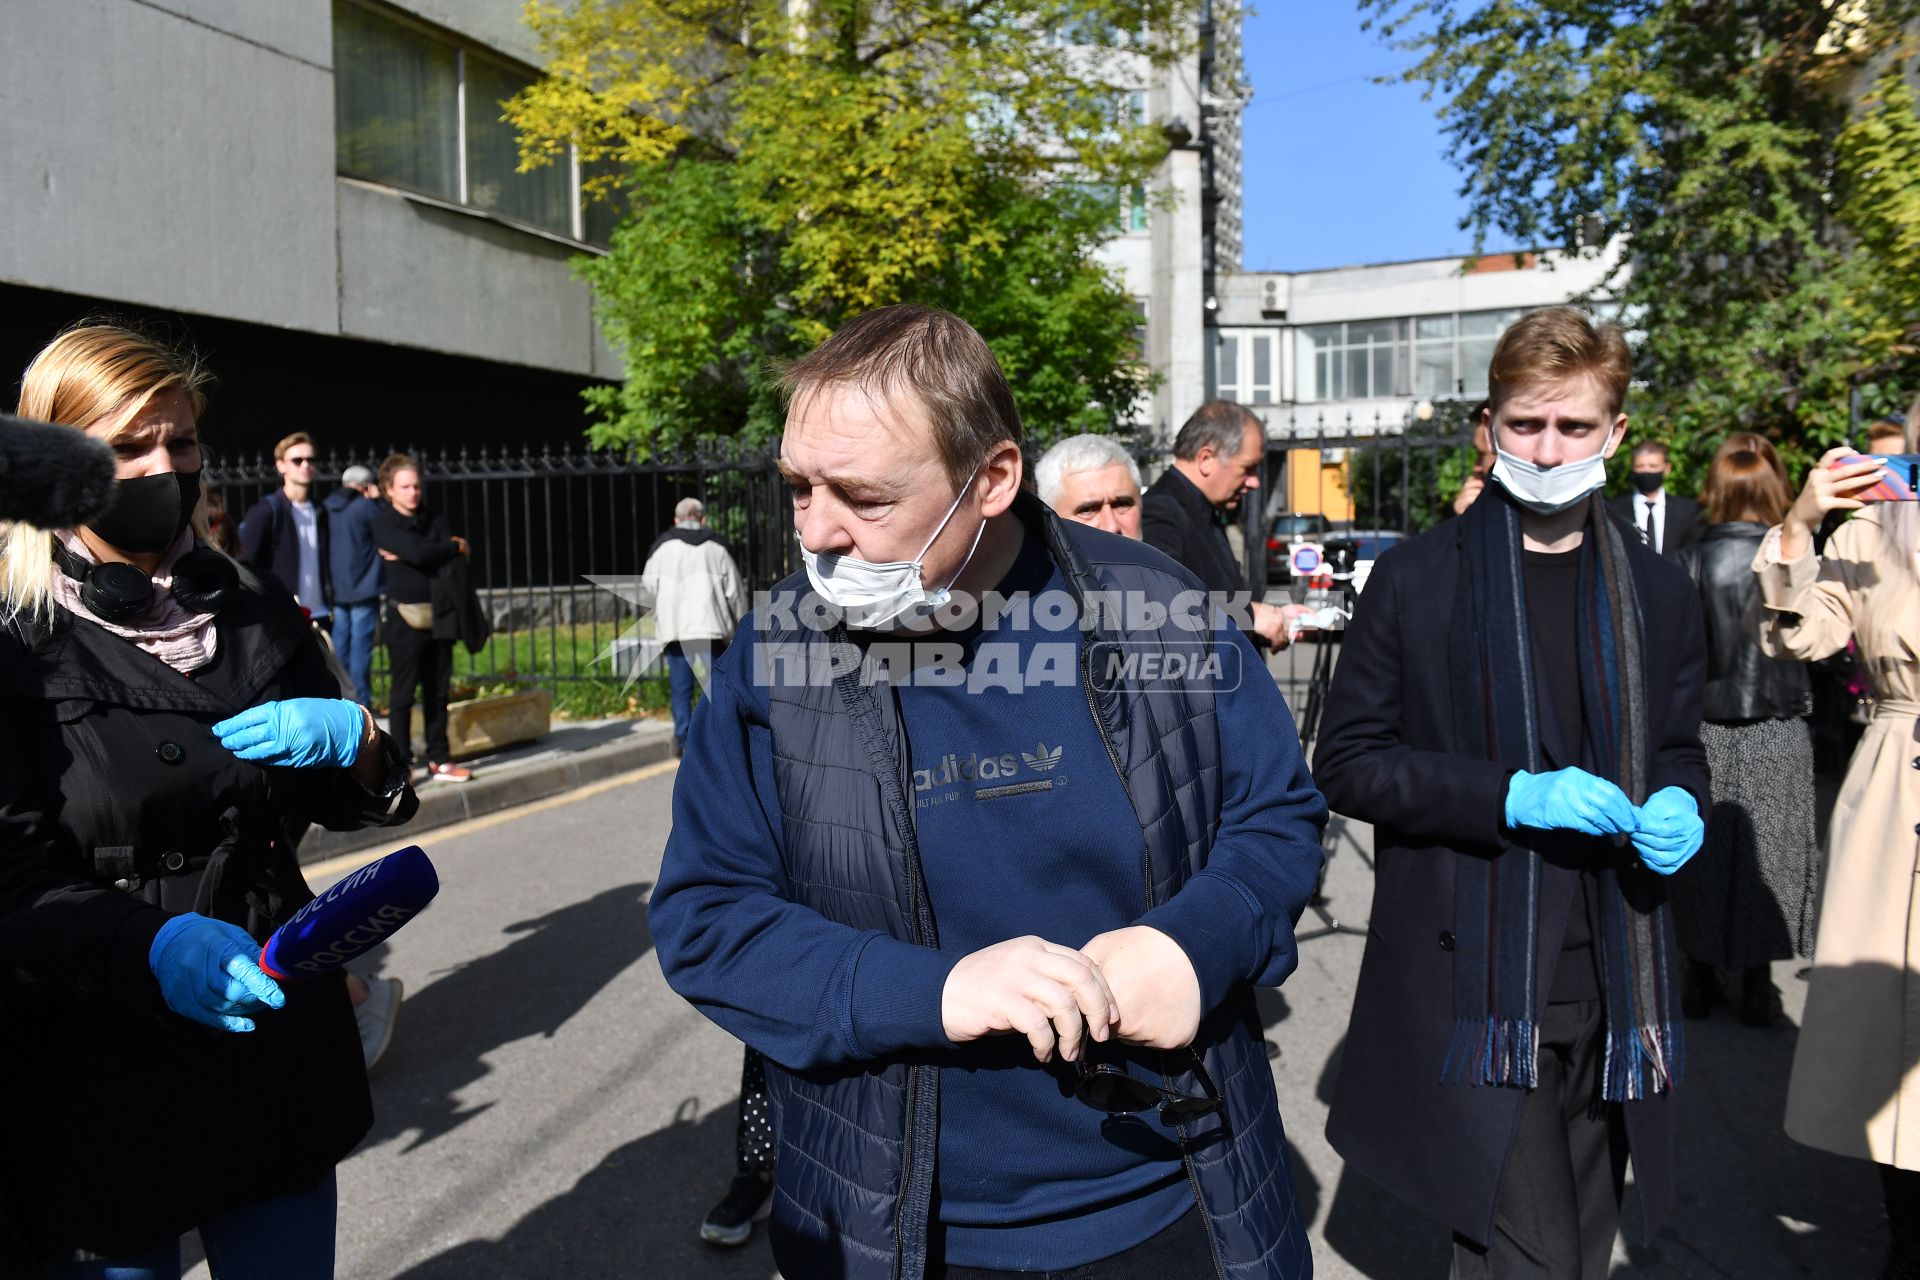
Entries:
{"x":1042,"y":760}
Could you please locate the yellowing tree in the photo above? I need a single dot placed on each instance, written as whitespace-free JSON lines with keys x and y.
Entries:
{"x":790,"y":163}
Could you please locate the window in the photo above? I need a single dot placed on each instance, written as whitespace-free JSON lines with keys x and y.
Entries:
{"x":1247,"y":366}
{"x":1356,"y":360}
{"x":543,"y":197}
{"x":422,"y":112}
{"x":396,"y":104}
{"x":1130,"y":207}
{"x":1428,"y":357}
{"x":1140,"y":311}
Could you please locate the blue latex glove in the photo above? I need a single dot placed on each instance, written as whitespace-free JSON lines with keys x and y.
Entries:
{"x":1670,"y":830}
{"x":1569,"y":800}
{"x":296,"y":733}
{"x":207,"y":972}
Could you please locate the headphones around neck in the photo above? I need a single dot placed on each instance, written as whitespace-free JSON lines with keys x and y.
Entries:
{"x":203,"y":582}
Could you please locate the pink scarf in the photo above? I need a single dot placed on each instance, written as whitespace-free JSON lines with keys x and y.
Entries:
{"x":184,"y":641}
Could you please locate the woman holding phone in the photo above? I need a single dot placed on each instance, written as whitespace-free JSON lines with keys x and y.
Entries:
{"x":1855,"y":1089}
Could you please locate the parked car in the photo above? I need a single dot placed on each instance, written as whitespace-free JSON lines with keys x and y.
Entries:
{"x":1288,"y":528}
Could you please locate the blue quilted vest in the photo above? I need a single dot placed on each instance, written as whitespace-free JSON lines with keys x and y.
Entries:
{"x":853,"y":1176}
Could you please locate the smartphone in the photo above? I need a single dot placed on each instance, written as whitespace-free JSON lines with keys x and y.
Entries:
{"x":1900,"y":484}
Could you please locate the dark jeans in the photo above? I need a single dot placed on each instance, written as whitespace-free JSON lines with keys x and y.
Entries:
{"x":353,"y":628}
{"x":1181,"y":1252}
{"x":685,"y":660}
{"x":417,"y":659}
{"x":1559,"y":1205}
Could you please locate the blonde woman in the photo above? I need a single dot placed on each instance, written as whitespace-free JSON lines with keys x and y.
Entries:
{"x":1856,"y":1079}
{"x":170,"y":720}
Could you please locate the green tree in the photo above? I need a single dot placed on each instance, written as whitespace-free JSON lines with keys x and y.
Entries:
{"x":785,"y":167}
{"x":1734,"y":149}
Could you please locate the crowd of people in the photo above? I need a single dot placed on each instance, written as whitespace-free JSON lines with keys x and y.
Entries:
{"x":990,"y":822}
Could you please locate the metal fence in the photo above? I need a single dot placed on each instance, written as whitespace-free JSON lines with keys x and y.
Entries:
{"x":540,"y":522}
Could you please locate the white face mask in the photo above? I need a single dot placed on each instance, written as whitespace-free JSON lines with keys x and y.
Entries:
{"x":1548,"y":489}
{"x":870,"y":596}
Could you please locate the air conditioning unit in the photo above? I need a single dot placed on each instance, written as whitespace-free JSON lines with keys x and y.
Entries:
{"x":1270,"y":298}
{"x":1333,"y":457}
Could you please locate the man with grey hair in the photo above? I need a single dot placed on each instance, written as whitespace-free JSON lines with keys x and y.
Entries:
{"x":356,"y":574}
{"x":698,"y":599}
{"x":1093,"y":480}
{"x":1216,"y":460}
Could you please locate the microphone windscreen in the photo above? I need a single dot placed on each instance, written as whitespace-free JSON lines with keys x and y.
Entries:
{"x":355,"y":915}
{"x":52,"y":477}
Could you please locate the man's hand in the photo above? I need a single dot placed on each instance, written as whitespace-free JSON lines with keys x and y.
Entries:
{"x":1670,"y":830}
{"x":1275,"y":623}
{"x":386,"y":554}
{"x":1045,"y":992}
{"x":461,"y":543}
{"x":1153,"y":984}
{"x":1468,"y":495}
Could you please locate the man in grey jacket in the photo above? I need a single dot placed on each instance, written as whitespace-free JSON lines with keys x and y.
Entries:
{"x":698,"y":599}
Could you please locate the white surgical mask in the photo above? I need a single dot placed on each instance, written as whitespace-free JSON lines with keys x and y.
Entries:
{"x":1548,"y":489}
{"x":869,"y":595}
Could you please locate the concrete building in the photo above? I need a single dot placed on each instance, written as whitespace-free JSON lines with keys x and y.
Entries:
{"x":1181,"y":234}
{"x":322,"y":189}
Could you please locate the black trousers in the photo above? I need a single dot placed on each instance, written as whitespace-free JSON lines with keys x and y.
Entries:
{"x":1559,"y":1204}
{"x":417,"y":659}
{"x":1181,"y":1252}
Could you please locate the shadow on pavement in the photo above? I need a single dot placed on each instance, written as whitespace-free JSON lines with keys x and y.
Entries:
{"x":532,"y":986}
{"x":1753,"y":1202}
{"x":637,"y":1214}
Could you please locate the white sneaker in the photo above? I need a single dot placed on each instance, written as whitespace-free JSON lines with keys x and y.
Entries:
{"x":375,"y":1017}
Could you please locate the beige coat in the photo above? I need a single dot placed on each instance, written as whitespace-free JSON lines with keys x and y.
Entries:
{"x":1856,"y":1072}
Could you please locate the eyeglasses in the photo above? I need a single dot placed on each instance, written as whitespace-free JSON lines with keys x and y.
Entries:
{"x":1109,"y":1087}
{"x":298,"y":462}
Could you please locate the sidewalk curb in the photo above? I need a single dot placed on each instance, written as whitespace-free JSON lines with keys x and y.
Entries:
{"x":444,"y":803}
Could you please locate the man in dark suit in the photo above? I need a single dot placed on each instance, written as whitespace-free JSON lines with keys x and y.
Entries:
{"x":1216,"y":462}
{"x":1516,"y":710}
{"x":1666,"y":521}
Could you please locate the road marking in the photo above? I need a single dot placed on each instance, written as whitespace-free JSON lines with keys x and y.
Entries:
{"x":346,"y":862}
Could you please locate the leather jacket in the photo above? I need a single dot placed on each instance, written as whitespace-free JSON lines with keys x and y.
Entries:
{"x":1742,"y":682}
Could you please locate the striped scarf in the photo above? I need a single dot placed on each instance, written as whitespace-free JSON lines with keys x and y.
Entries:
{"x":1497,"y":900}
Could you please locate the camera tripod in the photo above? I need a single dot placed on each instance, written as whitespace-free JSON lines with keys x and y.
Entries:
{"x":1312,"y":710}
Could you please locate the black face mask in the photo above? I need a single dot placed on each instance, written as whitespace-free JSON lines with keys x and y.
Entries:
{"x":149,"y":512}
{"x":1648,"y":481}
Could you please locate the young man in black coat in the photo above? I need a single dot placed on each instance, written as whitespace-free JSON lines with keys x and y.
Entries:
{"x":1516,"y":710}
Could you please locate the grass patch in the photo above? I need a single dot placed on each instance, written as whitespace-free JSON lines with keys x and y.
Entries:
{"x":568,"y":662}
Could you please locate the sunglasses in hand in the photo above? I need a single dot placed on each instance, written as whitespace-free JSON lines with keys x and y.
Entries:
{"x":1110,"y":1087}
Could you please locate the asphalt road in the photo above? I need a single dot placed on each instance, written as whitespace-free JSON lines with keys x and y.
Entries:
{"x":551,"y":1109}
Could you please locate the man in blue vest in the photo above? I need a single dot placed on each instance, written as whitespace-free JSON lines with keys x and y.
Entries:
{"x":969,"y":862}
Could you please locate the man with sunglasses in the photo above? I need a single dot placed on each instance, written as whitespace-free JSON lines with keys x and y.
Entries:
{"x":994,"y":914}
{"x":285,"y":533}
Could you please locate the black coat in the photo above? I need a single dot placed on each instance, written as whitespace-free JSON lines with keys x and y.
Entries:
{"x":1175,"y":517}
{"x":422,"y":544}
{"x":128,"y":1124}
{"x":1387,"y":756}
{"x":1742,"y":682}
{"x":1683,"y":519}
